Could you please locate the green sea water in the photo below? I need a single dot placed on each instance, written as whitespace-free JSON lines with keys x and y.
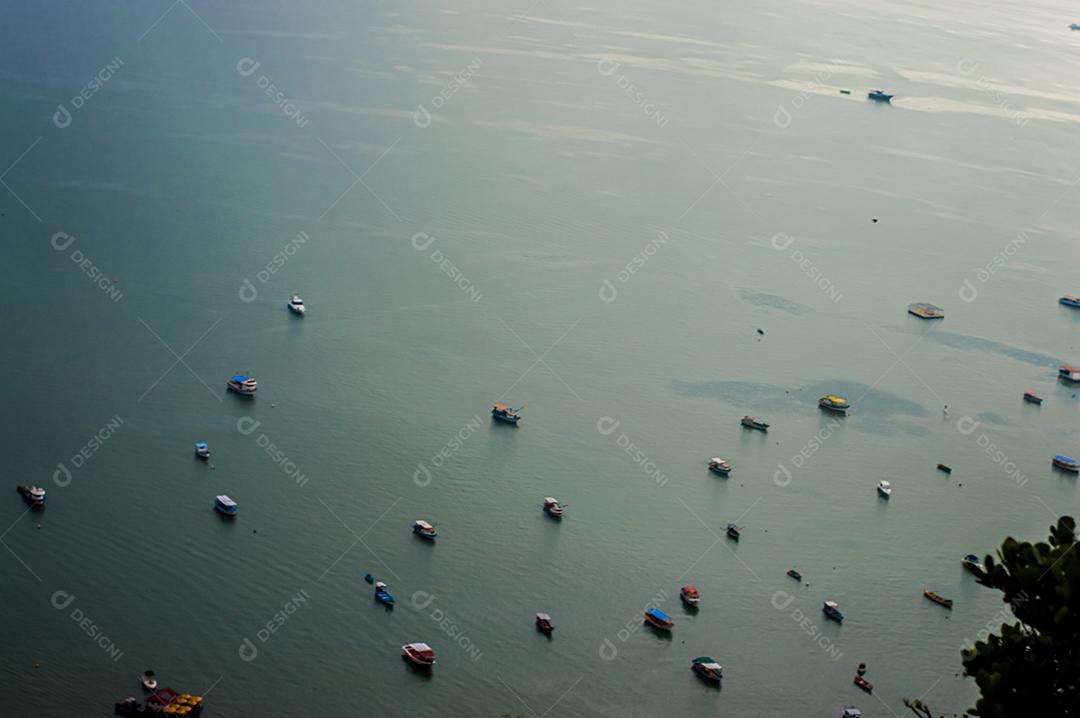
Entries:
{"x":587,"y":211}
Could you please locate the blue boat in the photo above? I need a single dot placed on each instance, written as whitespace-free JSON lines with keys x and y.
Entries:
{"x":832,"y":610}
{"x":369,"y":578}
{"x":225,"y":506}
{"x":879,"y":96}
{"x":202,"y":450}
{"x":1070,"y":301}
{"x":657,"y":618}
{"x":502,"y":412}
{"x":971,"y":563}
{"x":242,"y":385}
{"x":1066,"y":463}
{"x":382,"y":595}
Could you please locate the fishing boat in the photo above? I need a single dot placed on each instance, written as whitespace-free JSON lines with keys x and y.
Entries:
{"x":553,"y":508}
{"x":421,"y":654}
{"x":937,"y":598}
{"x":733,"y":531}
{"x":851,"y":712}
{"x":751,"y":423}
{"x":544,"y":624}
{"x":845,"y":92}
{"x":502,"y":412}
{"x":708,"y":668}
{"x":225,"y":506}
{"x":1070,"y":300}
{"x":794,"y":574}
{"x":242,"y":385}
{"x":972,"y":563}
{"x":424,"y":529}
{"x":690,"y":596}
{"x":884,"y":488}
{"x":831,"y":610}
{"x":296,"y":305}
{"x":202,"y":450}
{"x":879,"y":96}
{"x":944,"y":468}
{"x":149,"y":680}
{"x":658,"y":619}
{"x":33,"y":495}
{"x":864,"y":684}
{"x":1032,"y":397}
{"x":382,"y":595}
{"x":834,"y":403}
{"x":1069,"y":373}
{"x":719,"y":466}
{"x":922,"y":310}
{"x":1066,"y":463}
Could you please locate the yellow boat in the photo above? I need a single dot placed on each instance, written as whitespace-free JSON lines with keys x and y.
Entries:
{"x":834,"y":403}
{"x":926,"y":311}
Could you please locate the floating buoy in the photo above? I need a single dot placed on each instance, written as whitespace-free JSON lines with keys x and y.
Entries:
{"x":874,"y":220}
{"x":761,"y":332}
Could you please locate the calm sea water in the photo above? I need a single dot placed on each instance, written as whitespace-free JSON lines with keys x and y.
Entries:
{"x":585,"y":211}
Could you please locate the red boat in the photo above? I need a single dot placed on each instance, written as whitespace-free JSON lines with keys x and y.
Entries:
{"x":864,"y":684}
{"x":420,"y":653}
{"x":1032,"y":397}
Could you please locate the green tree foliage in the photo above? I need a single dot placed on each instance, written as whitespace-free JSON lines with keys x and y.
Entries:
{"x":1033,"y":667}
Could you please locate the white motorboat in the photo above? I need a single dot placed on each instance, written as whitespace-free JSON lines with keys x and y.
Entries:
{"x":884,"y":488}
{"x":296,"y":305}
{"x":554,"y":508}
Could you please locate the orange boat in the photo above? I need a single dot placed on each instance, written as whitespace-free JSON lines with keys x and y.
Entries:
{"x":937,"y":598}
{"x":502,"y":412}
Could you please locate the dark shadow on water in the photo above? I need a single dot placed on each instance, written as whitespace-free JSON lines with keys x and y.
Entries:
{"x":422,"y":672}
{"x":969,"y":343}
{"x":659,"y":632}
{"x":773,"y":301}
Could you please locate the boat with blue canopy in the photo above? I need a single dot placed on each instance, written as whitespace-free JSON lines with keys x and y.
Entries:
{"x":1066,"y":463}
{"x":243,"y":385}
{"x":202,"y":450}
{"x":225,"y":506}
{"x":658,"y":619}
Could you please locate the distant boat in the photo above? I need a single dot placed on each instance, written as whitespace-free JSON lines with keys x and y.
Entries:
{"x":1032,"y":397}
{"x":544,"y":624}
{"x":1070,"y":300}
{"x":944,"y":468}
{"x":851,"y":712}
{"x":296,"y":305}
{"x":972,"y":563}
{"x":937,"y":598}
{"x":834,"y":403}
{"x":149,"y":680}
{"x":879,"y":96}
{"x":421,"y":654}
{"x":751,"y":423}
{"x":502,"y":412}
{"x":884,"y":488}
{"x":708,"y":668}
{"x":1069,"y":373}
{"x":690,"y":596}
{"x":224,"y":505}
{"x":424,"y":529}
{"x":202,"y":450}
{"x":832,"y":610}
{"x":1066,"y":463}
{"x":733,"y":531}
{"x":242,"y":384}
{"x":922,"y":310}
{"x":719,"y":466}
{"x":382,"y":595}
{"x":657,"y":618}
{"x":845,"y":92}
{"x":553,"y":508}
{"x":33,"y":495}
{"x":1074,"y":26}
{"x":794,"y":574}
{"x":864,"y":684}
{"x":369,"y":578}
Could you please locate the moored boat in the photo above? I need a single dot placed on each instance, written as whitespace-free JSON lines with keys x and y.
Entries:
{"x":794,"y":573}
{"x":972,"y":563}
{"x":1069,"y":373}
{"x":834,"y":403}
{"x":226,"y":506}
{"x":734,"y":531}
{"x":424,"y":529}
{"x":851,"y":712}
{"x":1070,"y":300}
{"x":421,"y":654}
{"x":553,"y":508}
{"x":33,"y":495}
{"x":242,"y":384}
{"x":690,"y":596}
{"x":202,"y":450}
{"x":296,"y":305}
{"x":751,"y":423}
{"x":937,"y":598}
{"x":922,"y":310}
{"x":1075,"y":26}
{"x":382,"y":595}
{"x":831,"y":609}
{"x":149,"y":680}
{"x":879,"y":96}
{"x":1032,"y":397}
{"x":658,"y":619}
{"x":719,"y":466}
{"x":864,"y":684}
{"x":708,"y":668}
{"x":1066,"y":463}
{"x":544,"y":624}
{"x":369,"y":578}
{"x":502,"y":412}
{"x":884,"y":488}
{"x":944,"y":468}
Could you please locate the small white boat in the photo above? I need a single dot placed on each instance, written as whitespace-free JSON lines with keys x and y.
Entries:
{"x":296,"y":305}
{"x":424,"y":529}
{"x":884,"y":488}
{"x":420,"y":653}
{"x":34,"y":495}
{"x":553,"y":508}
{"x":149,"y":680}
{"x":719,"y":466}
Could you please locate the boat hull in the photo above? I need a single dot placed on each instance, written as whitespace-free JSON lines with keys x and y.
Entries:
{"x":1071,"y":468}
